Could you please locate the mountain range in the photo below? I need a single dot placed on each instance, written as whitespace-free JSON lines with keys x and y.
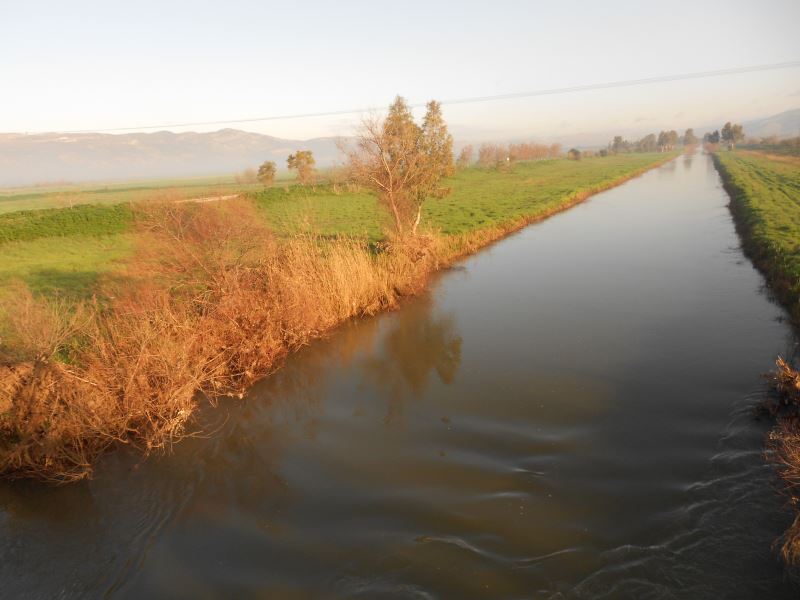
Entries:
{"x":61,"y":157}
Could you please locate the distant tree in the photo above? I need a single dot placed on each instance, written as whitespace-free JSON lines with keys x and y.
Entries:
{"x":403,"y":162}
{"x":465,"y":157}
{"x":711,"y":138}
{"x":672,"y":139}
{"x":493,"y":155}
{"x":661,"y":142}
{"x":266,"y":173}
{"x":486,"y":155}
{"x":303,"y":162}
{"x":647,"y":143}
{"x":574,"y":154}
{"x":247,"y":176}
{"x":603,"y":152}
{"x":619,"y":145}
{"x":554,"y":151}
{"x":689,"y":138}
{"x":731,"y":134}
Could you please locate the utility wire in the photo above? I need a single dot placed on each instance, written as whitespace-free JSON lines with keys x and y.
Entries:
{"x":474,"y":99}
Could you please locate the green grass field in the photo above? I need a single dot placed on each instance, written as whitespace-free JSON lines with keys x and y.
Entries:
{"x":765,"y":193}
{"x":789,"y":147}
{"x":64,"y":250}
{"x":480,"y":198}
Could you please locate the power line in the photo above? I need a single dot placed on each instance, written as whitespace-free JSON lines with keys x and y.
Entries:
{"x":473,"y":99}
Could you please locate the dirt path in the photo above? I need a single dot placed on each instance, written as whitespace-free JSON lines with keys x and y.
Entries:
{"x":208,"y":199}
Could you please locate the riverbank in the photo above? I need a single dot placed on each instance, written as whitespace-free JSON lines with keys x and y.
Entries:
{"x":765,"y":202}
{"x":212,"y":299}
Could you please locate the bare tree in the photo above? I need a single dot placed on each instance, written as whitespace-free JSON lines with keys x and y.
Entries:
{"x":465,"y":157}
{"x":403,"y":162}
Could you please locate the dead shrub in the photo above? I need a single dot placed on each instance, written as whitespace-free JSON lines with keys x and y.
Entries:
{"x":211,"y":303}
{"x":35,"y":329}
{"x":784,"y":442}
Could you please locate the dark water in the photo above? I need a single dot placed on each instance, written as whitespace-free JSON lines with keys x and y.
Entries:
{"x":566,"y":415}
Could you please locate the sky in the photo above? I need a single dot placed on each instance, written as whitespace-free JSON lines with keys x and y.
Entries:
{"x":89,"y":65}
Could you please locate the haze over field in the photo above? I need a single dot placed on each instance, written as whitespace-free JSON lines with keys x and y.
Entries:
{"x":54,"y":157}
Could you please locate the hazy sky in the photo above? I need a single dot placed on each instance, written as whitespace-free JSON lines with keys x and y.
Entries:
{"x":101,"y":64}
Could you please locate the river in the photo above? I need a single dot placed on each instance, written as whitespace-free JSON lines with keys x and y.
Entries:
{"x":566,"y":414}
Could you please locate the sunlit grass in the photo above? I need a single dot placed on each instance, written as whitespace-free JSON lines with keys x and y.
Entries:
{"x":766,"y":198}
{"x":68,"y":266}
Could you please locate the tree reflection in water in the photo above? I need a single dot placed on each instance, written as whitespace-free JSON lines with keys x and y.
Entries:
{"x":417,"y":345}
{"x":395,"y":355}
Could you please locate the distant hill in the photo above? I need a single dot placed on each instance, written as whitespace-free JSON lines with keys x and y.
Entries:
{"x":51,"y":157}
{"x":785,"y":124}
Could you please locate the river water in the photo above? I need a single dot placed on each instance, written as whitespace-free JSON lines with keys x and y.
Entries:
{"x":567,"y":414}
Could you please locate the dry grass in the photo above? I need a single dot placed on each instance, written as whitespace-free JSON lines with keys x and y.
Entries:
{"x":784,"y":441}
{"x":211,"y":303}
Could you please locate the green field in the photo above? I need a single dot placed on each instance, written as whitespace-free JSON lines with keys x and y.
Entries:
{"x":66,"y":249}
{"x":480,"y":198}
{"x":765,"y":197}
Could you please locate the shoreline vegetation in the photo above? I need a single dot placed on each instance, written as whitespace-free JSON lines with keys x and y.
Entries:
{"x":765,"y":203}
{"x":213,"y":296}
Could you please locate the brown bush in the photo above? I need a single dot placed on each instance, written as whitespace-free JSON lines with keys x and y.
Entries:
{"x":210,"y":303}
{"x":784,"y":441}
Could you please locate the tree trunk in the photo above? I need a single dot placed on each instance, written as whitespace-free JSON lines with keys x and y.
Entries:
{"x":398,"y":222}
{"x":416,"y":221}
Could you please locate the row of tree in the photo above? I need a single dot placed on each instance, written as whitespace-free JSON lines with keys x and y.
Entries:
{"x":731,"y":134}
{"x":664,"y":142}
{"x":489,"y":155}
{"x":301,"y":161}
{"x":669,"y":140}
{"x":494,"y":155}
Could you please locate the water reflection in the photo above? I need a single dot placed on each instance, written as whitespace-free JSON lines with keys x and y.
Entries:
{"x":414,"y":344}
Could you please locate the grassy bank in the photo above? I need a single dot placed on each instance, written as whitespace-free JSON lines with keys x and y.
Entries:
{"x":765,"y":202}
{"x":210,"y":297}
